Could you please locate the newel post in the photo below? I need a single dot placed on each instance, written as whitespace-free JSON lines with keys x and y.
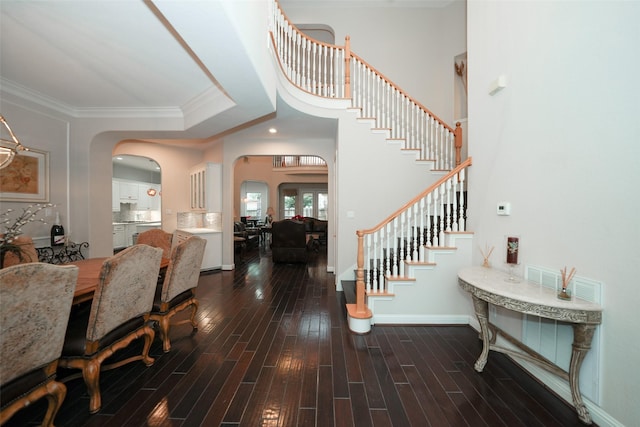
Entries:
{"x":360,"y":298}
{"x":358,"y":314}
{"x":347,"y":67}
{"x":458,"y":143}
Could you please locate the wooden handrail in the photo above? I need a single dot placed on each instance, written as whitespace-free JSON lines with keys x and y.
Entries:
{"x":320,"y":69}
{"x":413,"y":201}
{"x":399,"y":89}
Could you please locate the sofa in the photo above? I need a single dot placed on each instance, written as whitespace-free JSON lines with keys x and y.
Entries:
{"x":317,"y":227}
{"x":251,"y":236}
{"x":288,"y":241}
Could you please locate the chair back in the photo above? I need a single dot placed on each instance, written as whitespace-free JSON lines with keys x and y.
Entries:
{"x":158,"y":239}
{"x":25,"y":252}
{"x":126,"y":289}
{"x":288,"y":234}
{"x":35,"y":302}
{"x":184,"y":268}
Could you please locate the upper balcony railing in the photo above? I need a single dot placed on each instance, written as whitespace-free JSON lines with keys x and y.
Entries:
{"x":314,"y":162}
{"x":333,"y":71}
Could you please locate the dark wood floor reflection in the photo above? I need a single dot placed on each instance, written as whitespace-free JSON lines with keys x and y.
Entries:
{"x":273,"y":349}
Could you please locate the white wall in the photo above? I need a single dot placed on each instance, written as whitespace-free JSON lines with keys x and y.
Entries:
{"x":414,"y":47}
{"x":42,"y":130}
{"x":560,"y":142}
{"x":239,"y":145}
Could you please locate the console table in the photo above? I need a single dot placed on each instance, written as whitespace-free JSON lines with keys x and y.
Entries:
{"x":489,"y":286}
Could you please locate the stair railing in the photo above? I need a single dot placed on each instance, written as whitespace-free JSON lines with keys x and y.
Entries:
{"x":332,"y":71}
{"x":403,"y":237}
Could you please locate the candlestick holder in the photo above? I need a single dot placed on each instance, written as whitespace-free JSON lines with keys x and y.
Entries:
{"x":511,"y":267}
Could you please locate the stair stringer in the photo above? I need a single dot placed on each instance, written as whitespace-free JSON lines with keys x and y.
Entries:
{"x":432,"y":295}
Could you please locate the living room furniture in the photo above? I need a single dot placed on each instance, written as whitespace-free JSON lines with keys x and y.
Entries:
{"x":317,"y":228}
{"x":288,"y":241}
{"x":35,"y":302}
{"x":490,"y":286}
{"x":250,"y":234}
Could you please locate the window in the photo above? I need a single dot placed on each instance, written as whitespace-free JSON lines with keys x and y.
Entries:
{"x":305,"y":200}
{"x":254,"y":196}
{"x":253,"y":206}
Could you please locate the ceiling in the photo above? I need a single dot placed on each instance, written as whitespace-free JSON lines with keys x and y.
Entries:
{"x":105,"y":58}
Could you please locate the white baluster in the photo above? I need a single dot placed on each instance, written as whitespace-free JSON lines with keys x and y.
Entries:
{"x":454,"y":215}
{"x":428,"y":218}
{"x":381,"y":261}
{"x":436,"y":202}
{"x":430,"y":138}
{"x":402,"y":243}
{"x":462,"y":200}
{"x":388,"y":249}
{"x":448,"y":205}
{"x":367,"y":264}
{"x":416,"y":237}
{"x":408,"y":251}
{"x":442,"y":226}
{"x":395,"y":247}
{"x":331,"y":89}
{"x":421,"y":229}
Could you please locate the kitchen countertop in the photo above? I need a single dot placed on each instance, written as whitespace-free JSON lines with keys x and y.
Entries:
{"x":138,"y":223}
{"x":199,"y":230}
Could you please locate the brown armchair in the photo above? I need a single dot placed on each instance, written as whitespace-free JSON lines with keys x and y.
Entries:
{"x":288,"y":241}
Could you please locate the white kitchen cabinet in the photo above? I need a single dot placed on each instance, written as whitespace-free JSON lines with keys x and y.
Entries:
{"x":119,"y":239}
{"x":145,"y":201}
{"x":130,"y":230}
{"x":115,"y":196}
{"x":206,"y":187}
{"x":212,"y":259}
{"x":156,"y":201}
{"x":128,"y":192}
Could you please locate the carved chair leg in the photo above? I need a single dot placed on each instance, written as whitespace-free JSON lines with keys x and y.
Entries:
{"x":194,"y":310}
{"x":163,"y":328}
{"x":56,"y":394}
{"x":149,"y":335}
{"x":91,"y":376}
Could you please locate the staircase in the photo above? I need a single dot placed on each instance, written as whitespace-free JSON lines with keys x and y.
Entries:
{"x":396,"y":276}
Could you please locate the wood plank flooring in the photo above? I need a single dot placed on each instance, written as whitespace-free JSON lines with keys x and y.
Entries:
{"x":273,"y":349}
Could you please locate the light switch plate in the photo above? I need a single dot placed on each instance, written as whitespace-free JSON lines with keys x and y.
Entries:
{"x":504,"y":208}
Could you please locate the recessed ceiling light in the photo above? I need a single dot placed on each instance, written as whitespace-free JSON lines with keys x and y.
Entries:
{"x":273,"y":130}
{"x":118,"y":158}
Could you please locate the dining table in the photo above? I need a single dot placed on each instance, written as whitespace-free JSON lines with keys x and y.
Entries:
{"x":89,"y":277}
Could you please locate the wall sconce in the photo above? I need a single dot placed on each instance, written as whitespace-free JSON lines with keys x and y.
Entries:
{"x":9,"y":148}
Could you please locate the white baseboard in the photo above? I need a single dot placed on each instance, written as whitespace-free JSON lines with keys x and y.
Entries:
{"x":397,"y":319}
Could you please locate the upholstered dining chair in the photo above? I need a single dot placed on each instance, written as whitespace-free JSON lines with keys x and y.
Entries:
{"x":118,"y":315}
{"x":35,"y":302}
{"x":158,"y":239}
{"x":177,"y":292}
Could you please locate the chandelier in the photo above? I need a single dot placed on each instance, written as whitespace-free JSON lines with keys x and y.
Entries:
{"x":8,"y":147}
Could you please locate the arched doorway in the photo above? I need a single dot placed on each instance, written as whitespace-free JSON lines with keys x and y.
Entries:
{"x":136,"y":195}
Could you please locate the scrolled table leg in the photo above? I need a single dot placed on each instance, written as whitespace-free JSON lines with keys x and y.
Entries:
{"x":482,"y":313}
{"x":582,"y":336}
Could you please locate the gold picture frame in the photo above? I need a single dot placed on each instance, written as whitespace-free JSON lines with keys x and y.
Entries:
{"x":26,"y":179}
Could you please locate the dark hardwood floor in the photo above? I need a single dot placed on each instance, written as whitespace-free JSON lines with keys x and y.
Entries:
{"x":273,"y":349}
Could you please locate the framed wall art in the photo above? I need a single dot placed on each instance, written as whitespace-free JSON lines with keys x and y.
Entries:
{"x":26,"y":179}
